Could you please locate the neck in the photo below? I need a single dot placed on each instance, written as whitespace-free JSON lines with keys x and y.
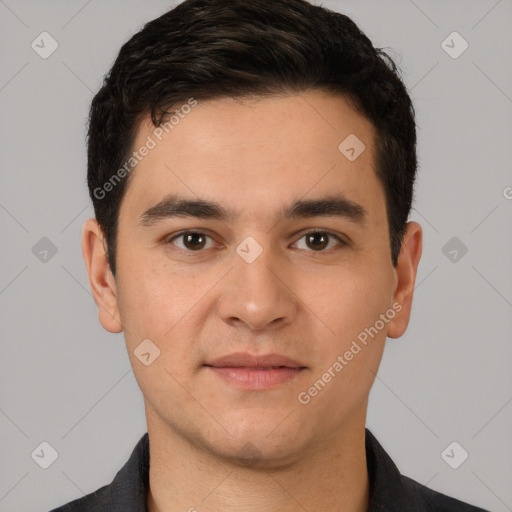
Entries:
{"x":331,"y":476}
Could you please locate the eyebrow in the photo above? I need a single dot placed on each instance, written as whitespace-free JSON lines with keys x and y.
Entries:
{"x":173,"y":206}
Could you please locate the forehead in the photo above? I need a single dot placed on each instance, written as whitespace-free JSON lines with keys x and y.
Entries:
{"x":252,"y":152}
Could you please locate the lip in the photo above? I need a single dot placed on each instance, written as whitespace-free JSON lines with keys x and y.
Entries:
{"x":255,"y":372}
{"x":246,"y":360}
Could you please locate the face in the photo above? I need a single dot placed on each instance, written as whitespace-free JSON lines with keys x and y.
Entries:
{"x":254,"y":253}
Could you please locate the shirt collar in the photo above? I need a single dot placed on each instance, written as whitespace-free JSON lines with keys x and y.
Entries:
{"x":388,"y":490}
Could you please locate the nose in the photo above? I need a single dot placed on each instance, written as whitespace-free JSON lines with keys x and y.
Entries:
{"x":258,"y":294}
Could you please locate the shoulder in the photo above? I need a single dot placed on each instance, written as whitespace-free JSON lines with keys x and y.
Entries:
{"x":431,"y":500}
{"x":97,"y":501}
{"x":390,"y":491}
{"x":127,"y":492}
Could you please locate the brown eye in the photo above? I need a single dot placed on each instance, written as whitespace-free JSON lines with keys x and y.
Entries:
{"x":191,"y":241}
{"x":194,"y":241}
{"x":317,"y":241}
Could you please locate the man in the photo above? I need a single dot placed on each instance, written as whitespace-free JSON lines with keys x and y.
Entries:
{"x":251,"y":165}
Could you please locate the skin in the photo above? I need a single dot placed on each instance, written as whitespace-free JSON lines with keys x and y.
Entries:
{"x":255,"y":157}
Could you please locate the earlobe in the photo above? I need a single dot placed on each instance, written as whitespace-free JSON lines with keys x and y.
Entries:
{"x":101,"y":280}
{"x":405,"y":278}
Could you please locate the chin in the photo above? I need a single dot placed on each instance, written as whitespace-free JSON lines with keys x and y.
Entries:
{"x":258,"y":443}
{"x":257,"y":455}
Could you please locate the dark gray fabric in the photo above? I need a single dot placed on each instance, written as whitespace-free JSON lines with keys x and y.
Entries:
{"x":389,"y":490}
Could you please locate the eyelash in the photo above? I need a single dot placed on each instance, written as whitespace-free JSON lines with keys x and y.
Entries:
{"x":170,"y":240}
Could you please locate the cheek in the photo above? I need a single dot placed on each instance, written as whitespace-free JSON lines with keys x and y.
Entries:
{"x":349,"y":298}
{"x":168,"y":307}
{"x":150,"y":301}
{"x":347,"y":355}
{"x":351,"y":303}
{"x":153,"y":306}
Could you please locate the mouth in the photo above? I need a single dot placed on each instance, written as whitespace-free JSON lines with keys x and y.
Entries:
{"x":255,"y":372}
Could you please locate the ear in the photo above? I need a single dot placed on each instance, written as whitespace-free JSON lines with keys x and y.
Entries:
{"x":405,"y":277}
{"x":101,"y":280}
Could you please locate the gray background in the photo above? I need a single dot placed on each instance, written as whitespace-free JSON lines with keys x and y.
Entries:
{"x":65,"y":381}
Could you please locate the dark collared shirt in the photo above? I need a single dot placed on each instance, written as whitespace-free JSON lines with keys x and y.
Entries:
{"x":389,"y":490}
